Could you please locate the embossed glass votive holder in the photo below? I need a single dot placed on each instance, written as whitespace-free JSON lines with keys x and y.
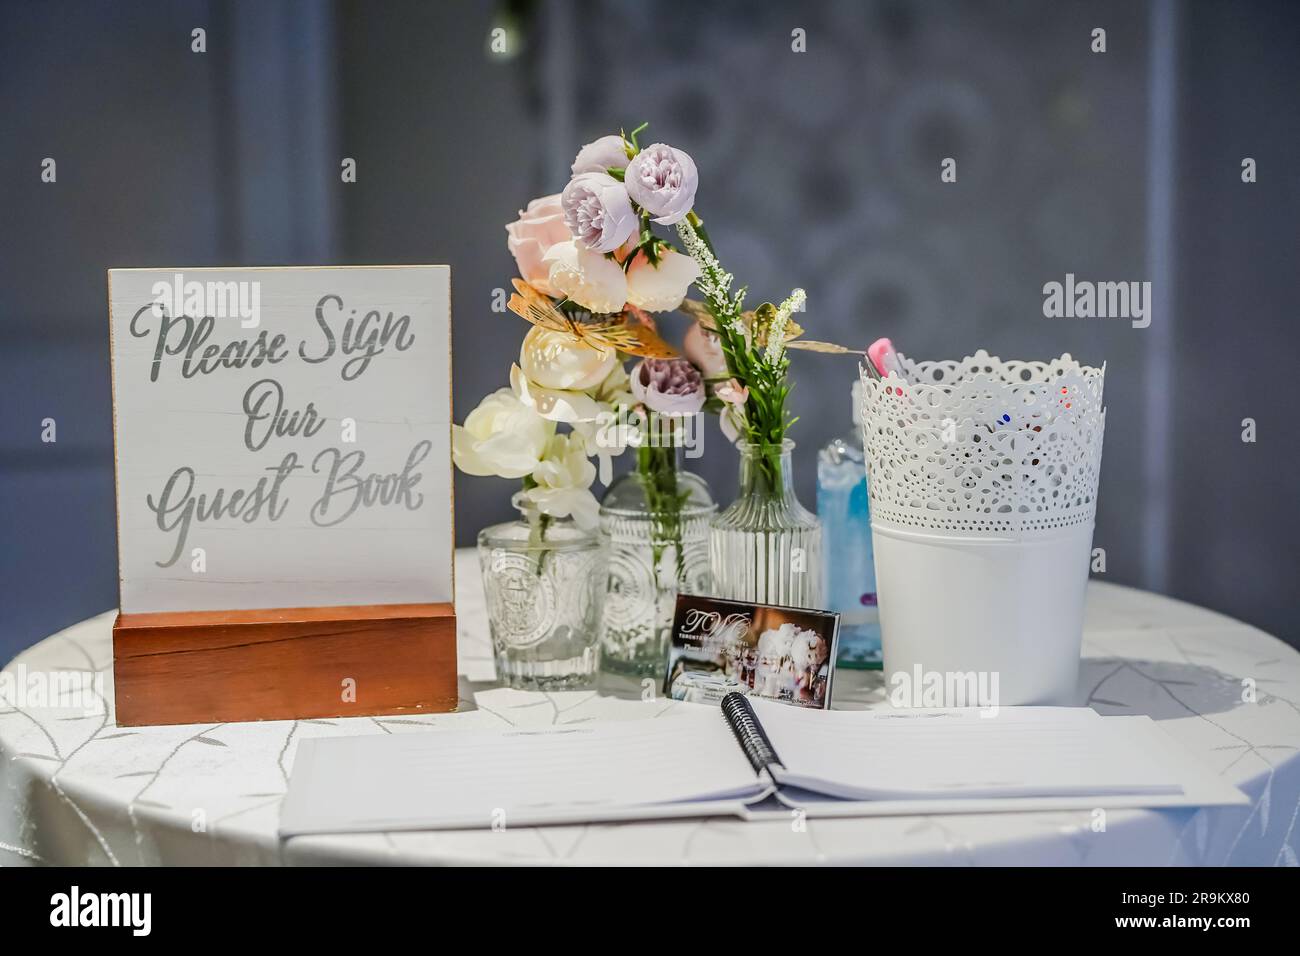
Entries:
{"x":544,"y":591}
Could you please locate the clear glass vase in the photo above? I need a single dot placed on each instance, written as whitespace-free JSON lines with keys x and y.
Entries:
{"x":767,"y":547}
{"x":654,"y":552}
{"x":544,"y":589}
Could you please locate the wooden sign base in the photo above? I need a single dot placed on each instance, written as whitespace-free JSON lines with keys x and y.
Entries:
{"x":284,"y":663}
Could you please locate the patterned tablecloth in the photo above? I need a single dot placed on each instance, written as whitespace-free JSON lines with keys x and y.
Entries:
{"x":77,"y":789}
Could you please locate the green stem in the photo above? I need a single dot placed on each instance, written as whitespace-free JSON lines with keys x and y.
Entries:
{"x":536,"y":536}
{"x":766,"y":418}
{"x":537,"y":525}
{"x":769,"y":470}
{"x":697,"y":224}
{"x":657,"y":467}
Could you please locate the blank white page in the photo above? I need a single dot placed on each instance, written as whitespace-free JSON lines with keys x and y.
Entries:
{"x":481,"y":778}
{"x":917,"y":754}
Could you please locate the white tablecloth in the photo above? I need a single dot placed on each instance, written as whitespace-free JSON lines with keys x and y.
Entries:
{"x":77,"y":789}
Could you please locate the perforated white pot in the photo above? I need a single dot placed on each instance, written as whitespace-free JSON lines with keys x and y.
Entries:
{"x":983,"y":478}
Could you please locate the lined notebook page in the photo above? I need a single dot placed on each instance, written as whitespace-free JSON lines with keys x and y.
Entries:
{"x":1021,"y":752}
{"x":476,"y":778}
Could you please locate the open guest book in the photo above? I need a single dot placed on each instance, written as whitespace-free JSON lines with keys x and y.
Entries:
{"x":751,"y":759}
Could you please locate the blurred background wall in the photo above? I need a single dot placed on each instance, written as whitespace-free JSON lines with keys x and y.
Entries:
{"x":818,"y":169}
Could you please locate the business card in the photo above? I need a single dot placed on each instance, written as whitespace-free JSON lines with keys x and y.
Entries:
{"x":786,"y":654}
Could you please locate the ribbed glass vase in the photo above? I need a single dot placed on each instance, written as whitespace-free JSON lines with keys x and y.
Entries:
{"x":767,"y":547}
{"x":655,"y":521}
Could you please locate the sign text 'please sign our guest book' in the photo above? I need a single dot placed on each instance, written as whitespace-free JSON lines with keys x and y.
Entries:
{"x":282,"y":442}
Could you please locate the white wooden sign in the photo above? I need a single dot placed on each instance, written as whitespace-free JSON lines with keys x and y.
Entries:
{"x":283,"y":436}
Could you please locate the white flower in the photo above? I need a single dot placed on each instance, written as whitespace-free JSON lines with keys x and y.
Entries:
{"x":660,"y":288}
{"x":776,"y":333}
{"x":573,"y":405}
{"x":558,"y":360}
{"x":714,"y":281}
{"x":587,"y":277}
{"x":553,"y":404}
{"x":616,"y":389}
{"x":608,"y":434}
{"x":603,"y":439}
{"x":502,"y":437}
{"x":563,"y":484}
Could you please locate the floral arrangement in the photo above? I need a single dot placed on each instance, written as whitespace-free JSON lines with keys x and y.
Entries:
{"x":752,"y":346}
{"x":593,"y":272}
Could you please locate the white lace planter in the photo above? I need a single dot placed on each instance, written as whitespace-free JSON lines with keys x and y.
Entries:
{"x":983,"y":478}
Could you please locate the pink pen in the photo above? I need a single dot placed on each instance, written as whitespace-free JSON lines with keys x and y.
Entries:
{"x":881,"y":354}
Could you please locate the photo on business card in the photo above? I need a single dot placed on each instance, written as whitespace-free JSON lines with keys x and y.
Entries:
{"x":776,"y":653}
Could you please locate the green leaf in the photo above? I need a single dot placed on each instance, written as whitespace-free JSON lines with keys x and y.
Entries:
{"x":631,"y":137}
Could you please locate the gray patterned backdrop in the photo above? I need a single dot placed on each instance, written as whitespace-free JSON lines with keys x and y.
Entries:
{"x":818,"y":169}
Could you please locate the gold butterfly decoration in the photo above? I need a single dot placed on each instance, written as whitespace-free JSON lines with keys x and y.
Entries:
{"x":759,"y":320}
{"x":621,"y":332}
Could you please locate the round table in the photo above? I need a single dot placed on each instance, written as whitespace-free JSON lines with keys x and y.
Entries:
{"x":77,"y":789}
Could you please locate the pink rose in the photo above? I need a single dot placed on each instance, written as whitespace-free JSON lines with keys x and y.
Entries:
{"x":732,"y":392}
{"x":627,"y":248}
{"x":702,"y":348}
{"x":668,"y":386}
{"x":531,"y":236}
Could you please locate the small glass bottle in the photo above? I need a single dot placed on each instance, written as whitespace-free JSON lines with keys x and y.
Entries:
{"x":850,"y":571}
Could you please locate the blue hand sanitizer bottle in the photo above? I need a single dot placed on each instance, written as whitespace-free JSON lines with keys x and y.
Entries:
{"x":849,"y":565}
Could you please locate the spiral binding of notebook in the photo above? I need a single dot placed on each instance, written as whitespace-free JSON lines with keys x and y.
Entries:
{"x":740,"y":716}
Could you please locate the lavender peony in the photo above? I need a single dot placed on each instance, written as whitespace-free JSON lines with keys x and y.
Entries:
{"x":597,"y":212}
{"x":668,"y":386}
{"x":600,"y":156}
{"x":662,"y":181}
